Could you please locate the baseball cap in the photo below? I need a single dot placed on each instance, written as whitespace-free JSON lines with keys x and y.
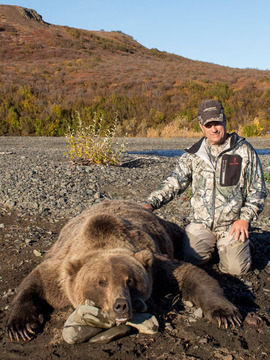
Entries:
{"x":210,"y":110}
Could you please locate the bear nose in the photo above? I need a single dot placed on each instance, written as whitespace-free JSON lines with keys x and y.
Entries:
{"x":121,"y":308}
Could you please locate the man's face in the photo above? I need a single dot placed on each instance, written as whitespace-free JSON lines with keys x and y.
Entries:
{"x":215,"y":132}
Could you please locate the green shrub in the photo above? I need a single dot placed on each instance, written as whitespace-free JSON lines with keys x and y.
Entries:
{"x":267,"y":176}
{"x":94,"y":144}
{"x":253,"y":129}
{"x":189,"y":193}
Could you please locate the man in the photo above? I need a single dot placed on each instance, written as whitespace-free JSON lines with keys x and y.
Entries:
{"x":228,"y":191}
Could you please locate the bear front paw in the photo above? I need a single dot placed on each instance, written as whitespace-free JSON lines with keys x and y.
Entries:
{"x":24,"y":323}
{"x":225,"y":317}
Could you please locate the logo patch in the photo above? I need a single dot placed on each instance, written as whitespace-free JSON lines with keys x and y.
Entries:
{"x":230,"y":170}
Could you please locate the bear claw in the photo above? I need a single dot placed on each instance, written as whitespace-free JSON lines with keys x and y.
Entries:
{"x":19,"y":330}
{"x":233,"y":320}
{"x":25,"y":334}
{"x":226,"y":320}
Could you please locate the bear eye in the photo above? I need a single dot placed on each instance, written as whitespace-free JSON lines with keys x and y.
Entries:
{"x":102,"y":283}
{"x":130,"y":281}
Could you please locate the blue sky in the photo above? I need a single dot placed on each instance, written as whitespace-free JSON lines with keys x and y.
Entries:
{"x":233,"y":33}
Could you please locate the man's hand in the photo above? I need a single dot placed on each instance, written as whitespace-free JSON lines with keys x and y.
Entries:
{"x":240,"y":230}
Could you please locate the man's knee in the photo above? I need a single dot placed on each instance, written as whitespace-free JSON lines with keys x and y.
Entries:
{"x":235,"y":258}
{"x":198,"y":244}
{"x":235,"y":269}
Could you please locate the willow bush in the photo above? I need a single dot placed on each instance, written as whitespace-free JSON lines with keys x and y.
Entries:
{"x":94,"y":144}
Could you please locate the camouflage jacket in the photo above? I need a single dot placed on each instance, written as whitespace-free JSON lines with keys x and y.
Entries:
{"x":231,"y":188}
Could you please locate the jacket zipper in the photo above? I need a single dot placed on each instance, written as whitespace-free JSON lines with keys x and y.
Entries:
{"x":214,"y":201}
{"x":223,"y":168}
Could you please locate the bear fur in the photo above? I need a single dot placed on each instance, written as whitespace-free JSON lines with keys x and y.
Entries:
{"x":115,"y":254}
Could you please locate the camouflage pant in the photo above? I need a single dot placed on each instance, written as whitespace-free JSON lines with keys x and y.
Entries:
{"x":199,"y":245}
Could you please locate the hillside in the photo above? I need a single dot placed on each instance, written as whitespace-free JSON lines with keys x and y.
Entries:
{"x":48,"y":73}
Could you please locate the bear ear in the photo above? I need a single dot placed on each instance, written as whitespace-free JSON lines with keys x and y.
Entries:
{"x":101,"y":226}
{"x":72,"y":267}
{"x":145,"y":257}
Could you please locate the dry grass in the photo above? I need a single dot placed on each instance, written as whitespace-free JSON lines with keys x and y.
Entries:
{"x":173,"y":129}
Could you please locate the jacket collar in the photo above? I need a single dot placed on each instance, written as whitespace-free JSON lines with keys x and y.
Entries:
{"x":234,"y":139}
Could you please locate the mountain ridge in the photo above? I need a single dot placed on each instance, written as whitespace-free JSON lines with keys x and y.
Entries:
{"x":18,"y":14}
{"x":111,"y":73}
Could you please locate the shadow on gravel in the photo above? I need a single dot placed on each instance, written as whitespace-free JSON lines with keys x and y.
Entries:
{"x":235,"y":289}
{"x":261,"y":242}
{"x":137,"y":163}
{"x":240,"y":291}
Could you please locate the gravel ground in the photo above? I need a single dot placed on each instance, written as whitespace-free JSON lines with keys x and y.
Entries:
{"x":37,"y":177}
{"x":40,"y":190}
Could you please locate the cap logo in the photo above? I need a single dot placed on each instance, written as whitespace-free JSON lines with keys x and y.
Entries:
{"x":209,"y":109}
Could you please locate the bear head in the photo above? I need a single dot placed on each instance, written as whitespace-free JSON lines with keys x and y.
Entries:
{"x":118,"y":281}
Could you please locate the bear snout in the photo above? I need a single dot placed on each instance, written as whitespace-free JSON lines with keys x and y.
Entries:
{"x":122,"y":309}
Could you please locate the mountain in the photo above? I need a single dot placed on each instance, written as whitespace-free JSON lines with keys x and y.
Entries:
{"x":49,"y":73}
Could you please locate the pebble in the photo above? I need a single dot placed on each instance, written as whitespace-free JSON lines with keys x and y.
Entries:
{"x":253,"y":319}
{"x":8,"y":293}
{"x":168,"y":327}
{"x":223,"y":356}
{"x":37,"y":253}
{"x":248,"y":284}
{"x":198,"y":313}
{"x":188,"y":303}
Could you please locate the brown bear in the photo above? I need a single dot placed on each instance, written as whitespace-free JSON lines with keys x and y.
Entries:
{"x":114,"y":254}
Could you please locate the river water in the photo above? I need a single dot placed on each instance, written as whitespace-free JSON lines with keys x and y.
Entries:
{"x":173,"y":153}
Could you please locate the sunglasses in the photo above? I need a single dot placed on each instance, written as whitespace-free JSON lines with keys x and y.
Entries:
{"x":213,"y":123}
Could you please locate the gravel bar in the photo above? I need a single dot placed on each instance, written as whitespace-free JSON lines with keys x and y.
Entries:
{"x":37,"y":178}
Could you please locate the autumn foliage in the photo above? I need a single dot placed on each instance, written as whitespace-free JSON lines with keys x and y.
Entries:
{"x":94,"y":144}
{"x":50,"y":73}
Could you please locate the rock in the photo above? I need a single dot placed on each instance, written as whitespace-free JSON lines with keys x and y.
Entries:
{"x":87,"y":321}
{"x":198,"y":313}
{"x":97,"y":195}
{"x":74,"y":332}
{"x":37,"y":253}
{"x":253,"y":319}
{"x":93,"y":316}
{"x":10,"y":204}
{"x":145,"y":323}
{"x":168,"y":326}
{"x":223,"y":356}
{"x":112,"y":334}
{"x":188,"y":303}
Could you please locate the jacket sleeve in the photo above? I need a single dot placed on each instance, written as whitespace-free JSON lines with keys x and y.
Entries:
{"x":255,"y":189}
{"x":175,"y":183}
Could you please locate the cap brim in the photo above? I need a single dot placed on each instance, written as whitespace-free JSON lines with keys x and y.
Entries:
{"x":211,"y":120}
